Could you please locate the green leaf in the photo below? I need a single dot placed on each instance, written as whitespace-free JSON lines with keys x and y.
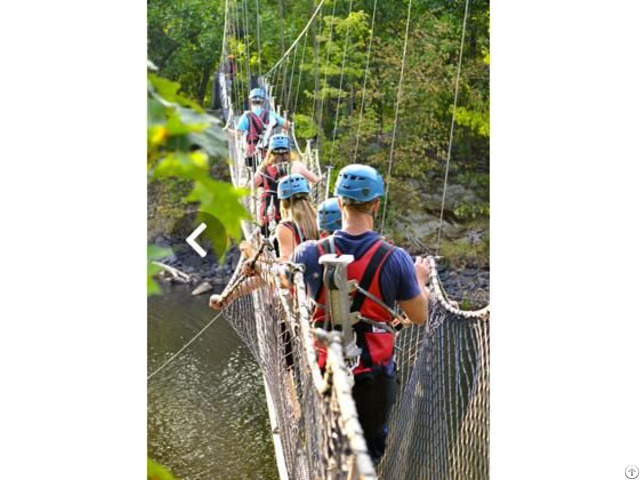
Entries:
{"x":215,"y":233}
{"x":192,"y":165}
{"x":163,"y":87}
{"x":154,"y":253}
{"x":168,"y":91}
{"x":156,"y":112}
{"x":176,"y":126}
{"x":212,"y":141}
{"x":222,"y":201}
{"x":155,"y":471}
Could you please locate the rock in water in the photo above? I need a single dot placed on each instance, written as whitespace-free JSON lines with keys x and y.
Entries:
{"x":204,"y":287}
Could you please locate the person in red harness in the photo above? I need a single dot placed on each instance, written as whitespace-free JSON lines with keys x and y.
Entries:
{"x":277,"y":164}
{"x":388,"y":276}
{"x":256,"y":123}
{"x":329,"y":217}
{"x":298,"y":215}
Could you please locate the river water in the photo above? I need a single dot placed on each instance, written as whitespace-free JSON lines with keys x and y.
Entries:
{"x":206,"y":411}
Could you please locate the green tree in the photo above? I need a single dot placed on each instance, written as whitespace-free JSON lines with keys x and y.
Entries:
{"x":181,"y":141}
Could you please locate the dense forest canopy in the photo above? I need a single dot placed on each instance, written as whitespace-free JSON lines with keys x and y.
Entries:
{"x":185,"y":43}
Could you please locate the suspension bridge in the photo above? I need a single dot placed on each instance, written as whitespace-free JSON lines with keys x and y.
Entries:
{"x":439,"y":426}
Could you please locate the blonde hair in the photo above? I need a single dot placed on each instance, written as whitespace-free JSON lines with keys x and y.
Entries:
{"x":299,"y":209}
{"x":271,"y":158}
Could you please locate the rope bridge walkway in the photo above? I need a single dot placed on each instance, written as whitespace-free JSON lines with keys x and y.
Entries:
{"x":439,"y":426}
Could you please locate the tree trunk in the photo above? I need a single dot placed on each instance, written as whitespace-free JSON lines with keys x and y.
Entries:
{"x":204,"y":81}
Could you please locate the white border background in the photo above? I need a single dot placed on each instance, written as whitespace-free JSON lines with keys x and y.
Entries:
{"x":564,"y":206}
{"x":564,"y":201}
{"x":73,"y":197}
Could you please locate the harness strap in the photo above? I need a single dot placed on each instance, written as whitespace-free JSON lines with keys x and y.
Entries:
{"x":299,"y":231}
{"x":367,"y":278}
{"x":382,"y":325}
{"x":327,"y":244}
{"x":258,"y":123}
{"x":377,"y":300}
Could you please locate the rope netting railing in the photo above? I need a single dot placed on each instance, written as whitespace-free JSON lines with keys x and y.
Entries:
{"x":439,"y":427}
{"x":316,"y":417}
{"x":440,"y":422}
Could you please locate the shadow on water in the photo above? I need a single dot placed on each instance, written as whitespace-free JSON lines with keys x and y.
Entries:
{"x":206,"y":411}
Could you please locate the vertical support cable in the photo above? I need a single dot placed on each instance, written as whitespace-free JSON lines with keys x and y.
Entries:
{"x":395,"y":122}
{"x":453,"y":119}
{"x":364,"y":83}
{"x":326,"y":68}
{"x":258,"y":36}
{"x":304,"y":50}
{"x":344,"y":59}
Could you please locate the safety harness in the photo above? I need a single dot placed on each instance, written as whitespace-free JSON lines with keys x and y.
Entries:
{"x":270,"y":176}
{"x":374,"y":333}
{"x":257,"y":124}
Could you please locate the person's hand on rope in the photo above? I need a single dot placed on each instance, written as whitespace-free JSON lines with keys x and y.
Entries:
{"x":246,"y":248}
{"x":216,"y":302}
{"x":423,"y":270}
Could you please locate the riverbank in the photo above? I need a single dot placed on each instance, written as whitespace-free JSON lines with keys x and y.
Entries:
{"x":467,"y":282}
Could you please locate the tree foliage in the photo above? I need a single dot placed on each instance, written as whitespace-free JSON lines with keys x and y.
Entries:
{"x":185,"y":35}
{"x":181,"y":141}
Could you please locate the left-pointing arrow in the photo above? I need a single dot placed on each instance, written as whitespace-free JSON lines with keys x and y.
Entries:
{"x":191,"y":240}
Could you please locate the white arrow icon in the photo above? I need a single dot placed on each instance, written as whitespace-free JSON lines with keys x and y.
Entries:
{"x":191,"y":240}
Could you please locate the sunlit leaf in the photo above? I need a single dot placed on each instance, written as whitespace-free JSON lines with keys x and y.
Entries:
{"x":176,"y":126}
{"x":168,"y":91}
{"x":184,"y":165}
{"x":222,"y":201}
{"x":155,"y":471}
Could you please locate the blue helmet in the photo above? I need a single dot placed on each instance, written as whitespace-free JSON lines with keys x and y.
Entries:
{"x":292,"y":184}
{"x":360,"y":183}
{"x":279,"y":143}
{"x":257,"y":93}
{"x":329,"y":215}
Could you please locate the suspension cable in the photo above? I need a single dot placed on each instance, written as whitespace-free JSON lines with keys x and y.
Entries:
{"x":293,"y":71}
{"x":258,"y":30}
{"x":453,"y":119}
{"x":299,"y":37}
{"x":284,"y":82}
{"x":326,"y":66}
{"x":316,"y":75}
{"x":395,"y":122}
{"x":246,"y":42}
{"x":304,"y":51}
{"x":238,"y":64}
{"x":344,"y":59}
{"x":364,"y":82}
{"x":175,"y":355}
{"x":224,"y":33}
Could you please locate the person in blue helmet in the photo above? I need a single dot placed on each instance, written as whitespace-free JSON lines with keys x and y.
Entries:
{"x":278,"y":163}
{"x":255,"y":124}
{"x":389,"y":275}
{"x":329,"y":217}
{"x":298,"y":215}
